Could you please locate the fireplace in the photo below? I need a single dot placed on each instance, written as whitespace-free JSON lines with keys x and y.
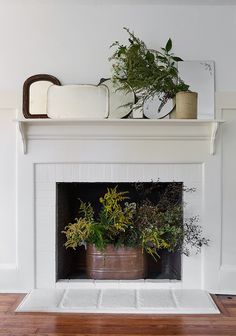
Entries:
{"x":58,"y":187}
{"x":71,"y":264}
{"x":82,"y":151}
{"x":53,"y":184}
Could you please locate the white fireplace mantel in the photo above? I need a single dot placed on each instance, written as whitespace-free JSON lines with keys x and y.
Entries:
{"x":119,"y":129}
{"x":114,"y":150}
{"x":120,"y":151}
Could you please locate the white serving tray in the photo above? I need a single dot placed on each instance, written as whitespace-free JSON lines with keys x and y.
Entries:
{"x":77,"y":102}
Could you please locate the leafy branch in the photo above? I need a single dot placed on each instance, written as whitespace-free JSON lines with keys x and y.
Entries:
{"x":146,"y":71}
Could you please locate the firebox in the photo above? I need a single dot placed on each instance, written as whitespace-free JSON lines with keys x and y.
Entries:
{"x":71,"y":264}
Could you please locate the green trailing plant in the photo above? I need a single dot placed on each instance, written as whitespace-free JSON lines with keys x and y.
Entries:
{"x":148,"y":72}
{"x":153,"y":227}
{"x":193,"y":238}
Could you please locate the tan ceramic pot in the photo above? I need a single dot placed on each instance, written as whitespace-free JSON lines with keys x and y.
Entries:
{"x":186,"y":106}
{"x":115,"y":263}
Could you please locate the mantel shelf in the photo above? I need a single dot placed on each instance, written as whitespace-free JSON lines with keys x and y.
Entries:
{"x":119,"y":129}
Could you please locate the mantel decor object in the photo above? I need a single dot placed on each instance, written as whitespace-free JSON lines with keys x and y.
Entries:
{"x":185,"y":106}
{"x":152,"y":74}
{"x":200,"y":75}
{"x":82,"y":101}
{"x":35,"y":95}
{"x":120,"y":102}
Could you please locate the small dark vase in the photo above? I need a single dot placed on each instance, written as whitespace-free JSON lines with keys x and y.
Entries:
{"x":115,"y":263}
{"x":170,"y":265}
{"x":166,"y":269}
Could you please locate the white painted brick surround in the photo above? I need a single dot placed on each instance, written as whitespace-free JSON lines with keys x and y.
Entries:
{"x":46,"y":176}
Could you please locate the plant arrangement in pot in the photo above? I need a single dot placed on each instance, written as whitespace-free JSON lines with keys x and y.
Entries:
{"x":111,"y":233}
{"x":118,"y":237}
{"x":150,"y":73}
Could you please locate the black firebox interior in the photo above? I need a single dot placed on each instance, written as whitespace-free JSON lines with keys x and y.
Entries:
{"x":71,"y":264}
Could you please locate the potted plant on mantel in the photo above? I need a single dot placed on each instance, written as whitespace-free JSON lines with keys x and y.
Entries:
{"x":150,"y":73}
{"x":118,"y":236}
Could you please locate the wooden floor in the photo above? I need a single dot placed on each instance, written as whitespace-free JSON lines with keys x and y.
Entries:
{"x":19,"y":324}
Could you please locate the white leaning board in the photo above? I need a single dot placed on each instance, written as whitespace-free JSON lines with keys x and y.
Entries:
{"x":77,"y":102}
{"x":200,"y":75}
{"x":119,"y":300}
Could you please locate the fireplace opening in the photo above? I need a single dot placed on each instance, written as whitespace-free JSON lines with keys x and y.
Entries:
{"x":71,"y":264}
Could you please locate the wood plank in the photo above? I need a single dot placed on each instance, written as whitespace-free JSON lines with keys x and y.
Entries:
{"x":33,"y":324}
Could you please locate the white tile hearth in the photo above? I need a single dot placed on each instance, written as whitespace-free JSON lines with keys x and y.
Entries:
{"x":119,"y":300}
{"x":159,"y":298}
{"x":42,"y":300}
{"x":84,"y":298}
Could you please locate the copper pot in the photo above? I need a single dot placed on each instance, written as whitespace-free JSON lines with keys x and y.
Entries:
{"x":115,"y":263}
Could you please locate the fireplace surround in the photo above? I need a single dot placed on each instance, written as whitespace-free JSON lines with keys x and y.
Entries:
{"x":49,"y":176}
{"x":115,"y":151}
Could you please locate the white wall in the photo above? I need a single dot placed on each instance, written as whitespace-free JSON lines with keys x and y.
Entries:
{"x":70,"y":39}
{"x":7,"y":188}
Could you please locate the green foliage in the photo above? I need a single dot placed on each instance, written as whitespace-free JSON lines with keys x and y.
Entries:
{"x":160,"y":229}
{"x":147,"y":72}
{"x":192,"y":238}
{"x":78,"y":233}
{"x":86,"y":210}
{"x":113,"y":214}
{"x":121,"y":223}
{"x":114,"y":221}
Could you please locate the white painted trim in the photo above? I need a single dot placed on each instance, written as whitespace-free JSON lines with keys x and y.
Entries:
{"x":226,"y":273}
{"x":118,"y":129}
{"x":9,"y":266}
{"x":22,"y":131}
{"x":228,"y":268}
{"x":134,"y":3}
{"x":141,"y":283}
{"x":215,"y":127}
